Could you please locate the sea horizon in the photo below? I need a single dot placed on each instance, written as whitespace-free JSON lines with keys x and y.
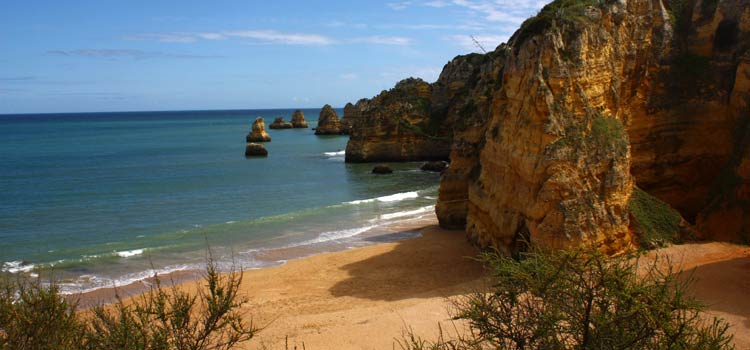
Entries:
{"x":208,"y":110}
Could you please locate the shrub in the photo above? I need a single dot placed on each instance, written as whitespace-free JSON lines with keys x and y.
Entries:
{"x":33,"y":316}
{"x":36,"y":317}
{"x":581,"y":299}
{"x":657,"y":222}
{"x":559,"y":13}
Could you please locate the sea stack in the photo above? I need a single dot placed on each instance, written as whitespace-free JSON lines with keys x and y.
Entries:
{"x":328,"y":122}
{"x":280,"y":123}
{"x":258,"y":134}
{"x":255,"y":150}
{"x":298,"y":120}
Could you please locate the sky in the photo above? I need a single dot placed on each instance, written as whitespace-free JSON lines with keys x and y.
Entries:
{"x":149,"y":55}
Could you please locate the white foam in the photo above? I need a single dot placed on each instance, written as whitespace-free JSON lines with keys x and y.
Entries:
{"x":401,"y":214}
{"x":129,"y":253}
{"x":334,"y":154}
{"x":231,"y":222}
{"x":17,"y":266}
{"x":392,"y":198}
{"x":97,"y":282}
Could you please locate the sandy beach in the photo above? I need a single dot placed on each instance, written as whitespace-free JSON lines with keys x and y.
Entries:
{"x":364,"y":298}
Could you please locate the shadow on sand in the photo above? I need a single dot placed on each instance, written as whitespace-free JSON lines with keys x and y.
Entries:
{"x":438,"y":265}
{"x":724,"y":286}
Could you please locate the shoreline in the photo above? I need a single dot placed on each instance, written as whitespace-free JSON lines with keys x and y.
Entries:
{"x":365,"y":297}
{"x":360,"y":298}
{"x":268,"y":257}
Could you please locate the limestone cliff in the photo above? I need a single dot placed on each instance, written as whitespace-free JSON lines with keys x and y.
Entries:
{"x":550,"y":134}
{"x":397,"y":125}
{"x":597,"y":98}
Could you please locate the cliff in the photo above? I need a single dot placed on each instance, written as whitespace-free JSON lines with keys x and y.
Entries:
{"x":593,"y":121}
{"x":397,"y":125}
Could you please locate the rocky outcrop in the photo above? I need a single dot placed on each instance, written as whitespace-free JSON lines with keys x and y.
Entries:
{"x":298,"y":120}
{"x":382,"y":169}
{"x":328,"y":122}
{"x":258,"y":133}
{"x":352,"y":114}
{"x":550,"y":134}
{"x":255,"y":150}
{"x":619,"y":95}
{"x":397,"y":125}
{"x":280,"y":123}
{"x":435,"y":166}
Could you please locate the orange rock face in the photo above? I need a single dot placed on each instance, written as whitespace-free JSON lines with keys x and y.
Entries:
{"x":552,"y":132}
{"x":258,"y":133}
{"x":580,"y":113}
{"x":397,"y":125}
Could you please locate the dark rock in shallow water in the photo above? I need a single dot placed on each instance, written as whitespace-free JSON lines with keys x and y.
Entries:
{"x":279,"y":123}
{"x":382,"y":169}
{"x":298,"y":120}
{"x":255,"y":150}
{"x":437,"y":166}
{"x":258,"y":134}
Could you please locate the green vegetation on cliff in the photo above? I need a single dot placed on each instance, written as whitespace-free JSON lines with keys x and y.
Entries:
{"x":657,"y":222}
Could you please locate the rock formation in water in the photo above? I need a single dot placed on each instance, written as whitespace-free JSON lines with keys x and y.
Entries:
{"x":382,"y":169}
{"x":435,"y":166}
{"x":298,"y":120}
{"x":258,"y":133}
{"x":328,"y":122}
{"x":590,"y":108}
{"x":255,"y":150}
{"x":280,"y":123}
{"x":397,"y":126}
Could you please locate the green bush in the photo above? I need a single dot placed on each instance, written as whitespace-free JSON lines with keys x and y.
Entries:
{"x":37,"y":317}
{"x":609,"y":134}
{"x":581,"y":300}
{"x":657,"y":222}
{"x":559,"y":13}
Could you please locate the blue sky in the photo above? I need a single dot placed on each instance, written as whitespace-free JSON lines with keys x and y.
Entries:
{"x":107,"y":55}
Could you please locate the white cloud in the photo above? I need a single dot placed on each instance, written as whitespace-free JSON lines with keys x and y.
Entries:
{"x":174,"y":37}
{"x":383,"y":40}
{"x":269,"y":37}
{"x":115,"y":54}
{"x":438,"y":4}
{"x":498,"y":11}
{"x":398,"y":6}
{"x":274,"y":37}
{"x":488,"y":42}
{"x":349,"y":76}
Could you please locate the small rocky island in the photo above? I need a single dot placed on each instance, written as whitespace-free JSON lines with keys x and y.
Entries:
{"x":298,"y":120}
{"x":258,"y":133}
{"x":280,"y":123}
{"x":255,"y":150}
{"x":328,"y":122}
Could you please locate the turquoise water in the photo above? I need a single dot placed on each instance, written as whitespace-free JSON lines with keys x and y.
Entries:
{"x":102,"y":198}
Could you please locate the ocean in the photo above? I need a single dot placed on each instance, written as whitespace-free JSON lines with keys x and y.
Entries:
{"x":98,"y":200}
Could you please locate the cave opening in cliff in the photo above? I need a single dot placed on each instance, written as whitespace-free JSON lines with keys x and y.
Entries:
{"x":726,"y":34}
